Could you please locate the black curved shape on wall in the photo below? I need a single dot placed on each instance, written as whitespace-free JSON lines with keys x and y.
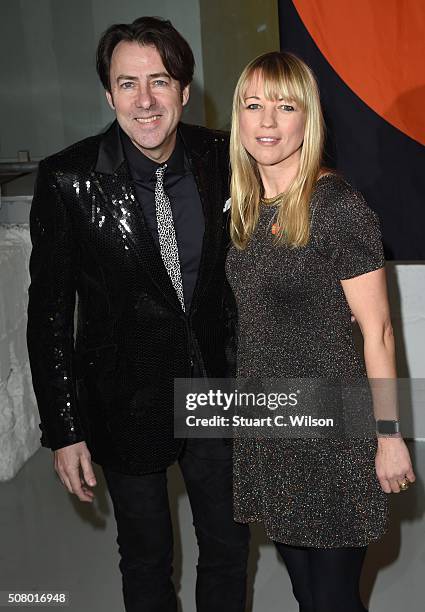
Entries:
{"x":385,"y":164}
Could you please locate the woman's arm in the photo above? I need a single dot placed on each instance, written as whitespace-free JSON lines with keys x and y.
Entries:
{"x":368,"y":300}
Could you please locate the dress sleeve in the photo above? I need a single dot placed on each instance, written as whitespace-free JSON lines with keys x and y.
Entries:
{"x":349,"y":233}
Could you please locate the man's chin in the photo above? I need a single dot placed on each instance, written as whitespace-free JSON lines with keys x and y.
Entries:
{"x":148,"y":144}
{"x":153,"y":142}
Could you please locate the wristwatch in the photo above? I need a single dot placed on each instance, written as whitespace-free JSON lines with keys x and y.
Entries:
{"x":388,"y":428}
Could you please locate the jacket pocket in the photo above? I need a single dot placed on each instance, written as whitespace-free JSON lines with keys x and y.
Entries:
{"x":99,"y":360}
{"x":96,"y":386}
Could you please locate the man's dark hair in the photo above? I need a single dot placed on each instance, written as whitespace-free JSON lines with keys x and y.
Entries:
{"x":174,"y":50}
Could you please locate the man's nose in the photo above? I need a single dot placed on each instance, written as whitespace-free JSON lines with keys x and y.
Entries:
{"x":145,"y":99}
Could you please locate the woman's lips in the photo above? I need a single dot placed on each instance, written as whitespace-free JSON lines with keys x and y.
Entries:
{"x":267,"y":141}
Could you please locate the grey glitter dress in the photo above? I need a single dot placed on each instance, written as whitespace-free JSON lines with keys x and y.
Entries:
{"x":294,"y":322}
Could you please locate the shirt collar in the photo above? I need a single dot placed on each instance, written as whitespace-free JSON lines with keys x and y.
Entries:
{"x":143,"y":168}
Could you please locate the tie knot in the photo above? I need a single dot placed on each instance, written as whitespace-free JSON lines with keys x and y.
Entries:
{"x":159,"y":172}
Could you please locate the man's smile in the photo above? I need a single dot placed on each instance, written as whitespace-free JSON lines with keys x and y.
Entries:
{"x":145,"y":120}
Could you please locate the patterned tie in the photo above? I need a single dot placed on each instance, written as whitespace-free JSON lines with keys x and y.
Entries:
{"x":167,"y":235}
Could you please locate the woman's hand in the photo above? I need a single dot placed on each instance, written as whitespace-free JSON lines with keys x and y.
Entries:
{"x":393,"y":464}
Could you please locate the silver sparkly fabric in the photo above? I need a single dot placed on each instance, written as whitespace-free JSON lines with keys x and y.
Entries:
{"x":167,"y":235}
{"x":294,"y":322}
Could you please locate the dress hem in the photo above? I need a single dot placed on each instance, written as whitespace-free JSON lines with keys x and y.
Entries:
{"x":313,"y":544}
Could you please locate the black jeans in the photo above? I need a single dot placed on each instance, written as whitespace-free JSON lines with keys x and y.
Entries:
{"x":325,"y":580}
{"x":145,"y":536}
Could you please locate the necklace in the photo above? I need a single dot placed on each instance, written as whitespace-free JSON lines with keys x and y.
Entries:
{"x":277,"y":199}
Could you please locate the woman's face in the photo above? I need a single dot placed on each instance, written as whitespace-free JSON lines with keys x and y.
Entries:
{"x":272,"y":131}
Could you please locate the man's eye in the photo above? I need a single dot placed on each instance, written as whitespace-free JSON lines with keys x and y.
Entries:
{"x":160,"y":83}
{"x":127,"y":85}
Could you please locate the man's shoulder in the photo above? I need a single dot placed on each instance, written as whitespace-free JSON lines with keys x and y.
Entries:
{"x":202,"y":137}
{"x":76,"y":158}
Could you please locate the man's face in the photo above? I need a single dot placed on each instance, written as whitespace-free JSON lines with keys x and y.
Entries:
{"x":148,"y":103}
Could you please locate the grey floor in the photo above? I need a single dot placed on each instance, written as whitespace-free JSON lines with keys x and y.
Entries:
{"x":49,"y":541}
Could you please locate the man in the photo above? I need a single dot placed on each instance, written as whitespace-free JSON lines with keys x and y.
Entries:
{"x":132,"y":221}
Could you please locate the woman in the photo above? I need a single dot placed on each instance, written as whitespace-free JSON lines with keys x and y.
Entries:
{"x":307,"y":251}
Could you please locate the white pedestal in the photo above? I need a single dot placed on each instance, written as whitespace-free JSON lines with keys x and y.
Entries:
{"x":19,"y":432}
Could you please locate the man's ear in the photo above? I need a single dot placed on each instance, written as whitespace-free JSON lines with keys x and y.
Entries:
{"x":185,"y":95}
{"x":110,"y":99}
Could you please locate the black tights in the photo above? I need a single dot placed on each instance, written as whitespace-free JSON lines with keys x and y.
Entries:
{"x":325,"y":580}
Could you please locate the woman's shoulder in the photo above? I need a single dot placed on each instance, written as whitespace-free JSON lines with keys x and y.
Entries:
{"x":335,"y":198}
{"x":332,"y":189}
{"x":344,"y":229}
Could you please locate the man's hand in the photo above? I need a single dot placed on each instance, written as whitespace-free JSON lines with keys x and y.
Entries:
{"x":74,"y":468}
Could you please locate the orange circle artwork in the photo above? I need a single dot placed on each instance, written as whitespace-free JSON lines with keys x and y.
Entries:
{"x":378,"y":49}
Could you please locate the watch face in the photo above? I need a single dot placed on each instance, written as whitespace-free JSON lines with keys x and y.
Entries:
{"x":387,"y":427}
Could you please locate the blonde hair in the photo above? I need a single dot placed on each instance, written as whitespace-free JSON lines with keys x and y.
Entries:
{"x":284,"y":76}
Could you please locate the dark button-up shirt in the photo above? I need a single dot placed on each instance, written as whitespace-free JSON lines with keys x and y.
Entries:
{"x":186,"y":207}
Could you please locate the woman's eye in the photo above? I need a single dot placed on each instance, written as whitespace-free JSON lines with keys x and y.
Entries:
{"x":287,"y":107}
{"x":253,"y":106}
